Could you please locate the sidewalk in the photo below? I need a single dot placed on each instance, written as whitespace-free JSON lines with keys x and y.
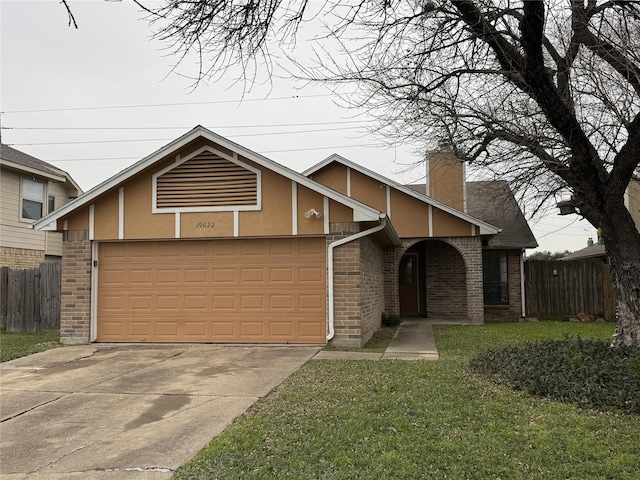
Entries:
{"x":412,"y":341}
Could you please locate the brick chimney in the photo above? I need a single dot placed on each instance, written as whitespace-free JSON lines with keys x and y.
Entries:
{"x":446,"y":178}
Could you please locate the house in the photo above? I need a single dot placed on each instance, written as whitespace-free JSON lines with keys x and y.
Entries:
{"x":207,"y":241}
{"x":30,"y":188}
{"x":592,"y":251}
{"x":632,"y":197}
{"x":632,"y":202}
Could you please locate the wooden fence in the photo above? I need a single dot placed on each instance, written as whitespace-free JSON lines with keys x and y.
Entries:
{"x":30,"y":299}
{"x":566,"y":288}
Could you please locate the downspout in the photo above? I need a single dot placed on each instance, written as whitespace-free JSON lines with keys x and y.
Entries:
{"x":332,"y":246}
{"x":522,"y":295}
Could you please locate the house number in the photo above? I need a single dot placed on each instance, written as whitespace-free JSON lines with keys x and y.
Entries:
{"x":205,"y":225}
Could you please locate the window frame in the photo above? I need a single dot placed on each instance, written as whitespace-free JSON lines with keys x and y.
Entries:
{"x":24,"y":197}
{"x":51,"y":203}
{"x":495,"y":291}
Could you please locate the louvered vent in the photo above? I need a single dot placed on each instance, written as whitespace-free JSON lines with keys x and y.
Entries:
{"x":207,"y":180}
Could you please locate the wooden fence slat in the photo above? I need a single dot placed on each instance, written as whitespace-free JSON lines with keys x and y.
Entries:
{"x":4,"y":295}
{"x":33,"y":298}
{"x":565,"y":288}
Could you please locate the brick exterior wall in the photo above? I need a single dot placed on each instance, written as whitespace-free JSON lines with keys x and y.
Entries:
{"x":513,"y":311}
{"x":20,"y":258}
{"x":452,"y":283}
{"x":358,"y":287}
{"x":372,"y":291}
{"x":75,"y":321}
{"x":446,"y":281}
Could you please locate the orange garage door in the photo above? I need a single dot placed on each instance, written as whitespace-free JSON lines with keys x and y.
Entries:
{"x":253,"y":290}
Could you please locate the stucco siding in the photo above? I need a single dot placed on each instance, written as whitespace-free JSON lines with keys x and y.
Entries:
{"x":306,"y":200}
{"x":410,"y":216}
{"x":446,"y":225}
{"x":368,"y":191}
{"x":333,"y":176}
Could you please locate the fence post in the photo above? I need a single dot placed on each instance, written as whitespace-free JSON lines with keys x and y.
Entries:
{"x":4,"y":295}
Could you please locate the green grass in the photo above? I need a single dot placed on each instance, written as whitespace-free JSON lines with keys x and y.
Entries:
{"x":408,"y":420}
{"x":15,"y":345}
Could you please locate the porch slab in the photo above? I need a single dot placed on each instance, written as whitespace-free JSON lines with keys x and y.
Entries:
{"x":412,"y":341}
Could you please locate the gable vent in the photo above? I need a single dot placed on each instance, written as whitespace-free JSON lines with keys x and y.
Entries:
{"x":207,"y":180}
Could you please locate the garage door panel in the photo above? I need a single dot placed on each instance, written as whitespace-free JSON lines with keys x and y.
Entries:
{"x":311,"y":275}
{"x":224,"y":276}
{"x":281,"y":275}
{"x":252,"y":302}
{"x":252,"y":275}
{"x":167,"y":276}
{"x":195,"y":276}
{"x":259,"y":290}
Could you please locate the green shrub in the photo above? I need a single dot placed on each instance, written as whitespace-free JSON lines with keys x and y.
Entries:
{"x":587,"y":372}
{"x":391,"y":320}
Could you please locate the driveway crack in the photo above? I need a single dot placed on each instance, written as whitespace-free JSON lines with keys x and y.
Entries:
{"x":56,"y":460}
{"x":31,"y":409}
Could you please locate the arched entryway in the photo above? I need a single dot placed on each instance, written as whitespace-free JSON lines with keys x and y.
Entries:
{"x":432,"y":281}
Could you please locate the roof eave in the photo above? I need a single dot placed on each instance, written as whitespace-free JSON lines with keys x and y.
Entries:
{"x":33,"y":171}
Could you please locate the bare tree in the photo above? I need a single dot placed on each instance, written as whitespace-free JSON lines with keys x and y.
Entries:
{"x":546,"y":94}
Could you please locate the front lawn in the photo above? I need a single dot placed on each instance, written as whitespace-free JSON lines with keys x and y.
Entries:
{"x":406,"y":420}
{"x":15,"y":345}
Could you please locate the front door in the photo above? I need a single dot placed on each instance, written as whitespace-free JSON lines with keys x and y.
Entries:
{"x":408,"y":278}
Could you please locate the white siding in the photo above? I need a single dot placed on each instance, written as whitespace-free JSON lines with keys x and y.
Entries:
{"x":17,"y":233}
{"x":633,"y":201}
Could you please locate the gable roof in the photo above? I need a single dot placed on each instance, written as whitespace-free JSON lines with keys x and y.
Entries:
{"x":594,"y":251}
{"x":493,"y":201}
{"x":485,"y":227}
{"x":10,"y":157}
{"x":361,"y":211}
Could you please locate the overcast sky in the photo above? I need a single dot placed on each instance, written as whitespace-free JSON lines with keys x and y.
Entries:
{"x":93,"y":101}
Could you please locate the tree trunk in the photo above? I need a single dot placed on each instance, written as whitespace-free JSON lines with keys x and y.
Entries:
{"x":622,"y":242}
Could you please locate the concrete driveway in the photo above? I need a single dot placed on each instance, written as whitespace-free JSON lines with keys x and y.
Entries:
{"x":128,"y":412}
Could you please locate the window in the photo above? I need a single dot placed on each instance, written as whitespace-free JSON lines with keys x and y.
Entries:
{"x":32,"y":199}
{"x":494,"y":275}
{"x":52,"y":204}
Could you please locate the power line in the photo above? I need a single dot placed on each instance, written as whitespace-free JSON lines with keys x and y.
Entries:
{"x":153,"y":105}
{"x":371,"y":145}
{"x":293,"y":132}
{"x":189,"y":126}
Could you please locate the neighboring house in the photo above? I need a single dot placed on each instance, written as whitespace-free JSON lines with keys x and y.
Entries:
{"x":207,"y":241}
{"x":592,"y":251}
{"x":632,"y":197}
{"x":632,"y":202}
{"x":30,"y":189}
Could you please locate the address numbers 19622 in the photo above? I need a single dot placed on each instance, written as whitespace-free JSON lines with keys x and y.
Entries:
{"x":205,"y":225}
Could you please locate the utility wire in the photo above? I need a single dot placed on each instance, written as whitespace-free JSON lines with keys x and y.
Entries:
{"x":152,"y":105}
{"x":189,"y":126}
{"x":293,"y":132}
{"x":371,"y":145}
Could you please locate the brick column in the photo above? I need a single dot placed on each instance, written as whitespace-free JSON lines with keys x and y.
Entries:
{"x":471,"y":250}
{"x":346,"y":286}
{"x":391,"y":295}
{"x":75,"y":320}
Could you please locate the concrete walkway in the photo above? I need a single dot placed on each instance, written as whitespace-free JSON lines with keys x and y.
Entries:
{"x":413,"y":340}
